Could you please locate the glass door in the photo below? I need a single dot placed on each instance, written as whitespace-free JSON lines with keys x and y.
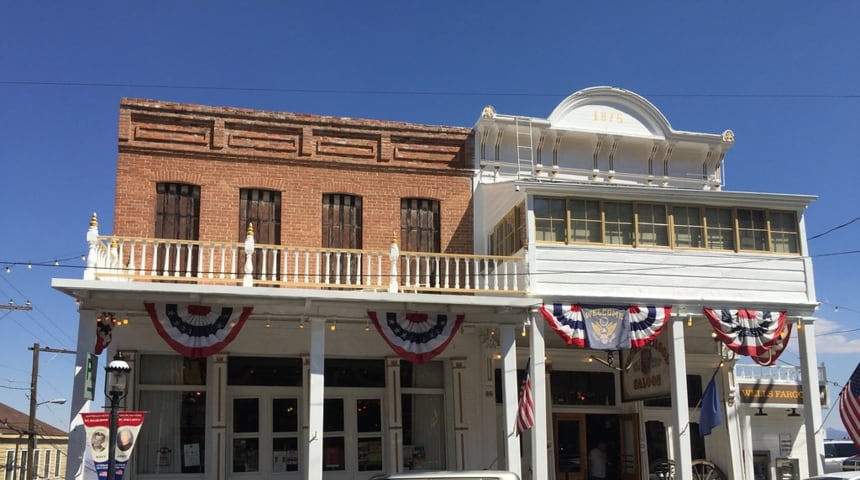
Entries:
{"x":570,"y":446}
{"x":264,"y":431}
{"x":352,"y":440}
{"x":629,"y":433}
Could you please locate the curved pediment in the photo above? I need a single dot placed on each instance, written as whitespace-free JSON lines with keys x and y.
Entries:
{"x":612,"y":111}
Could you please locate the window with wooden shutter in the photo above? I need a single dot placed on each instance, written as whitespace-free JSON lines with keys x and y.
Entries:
{"x":419,"y":225}
{"x":419,"y":232}
{"x":263,"y":209}
{"x":341,"y":229}
{"x":177,"y":217}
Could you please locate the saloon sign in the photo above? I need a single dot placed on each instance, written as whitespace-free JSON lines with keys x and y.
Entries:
{"x":645,"y":371}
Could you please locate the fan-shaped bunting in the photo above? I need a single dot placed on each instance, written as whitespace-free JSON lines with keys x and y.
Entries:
{"x":747,"y":332}
{"x":197,"y":331}
{"x":417,"y":337}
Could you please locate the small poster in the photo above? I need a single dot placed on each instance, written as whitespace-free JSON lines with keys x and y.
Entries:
{"x":191,"y":454}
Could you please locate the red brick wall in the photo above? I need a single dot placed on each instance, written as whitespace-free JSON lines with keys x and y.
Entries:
{"x":303,"y":156}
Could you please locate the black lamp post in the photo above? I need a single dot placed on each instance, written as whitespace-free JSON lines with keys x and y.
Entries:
{"x":117,"y":377}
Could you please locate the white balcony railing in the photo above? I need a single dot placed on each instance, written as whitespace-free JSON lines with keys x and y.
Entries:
{"x":249,"y":264}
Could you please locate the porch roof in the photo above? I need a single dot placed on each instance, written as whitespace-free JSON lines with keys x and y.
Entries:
{"x":294,"y":302}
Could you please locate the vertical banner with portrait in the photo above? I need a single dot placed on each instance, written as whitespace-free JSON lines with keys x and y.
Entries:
{"x":97,"y":427}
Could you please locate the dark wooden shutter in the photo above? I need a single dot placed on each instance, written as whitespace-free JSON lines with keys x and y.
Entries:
{"x":419,"y":232}
{"x":177,"y":216}
{"x":263,"y":209}
{"x":341,"y":228}
{"x":419,"y":225}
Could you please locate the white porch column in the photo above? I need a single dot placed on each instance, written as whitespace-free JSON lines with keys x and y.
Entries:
{"x":680,"y":410}
{"x":746,"y":433}
{"x":394,"y":413}
{"x":811,"y":396}
{"x":216,"y":413}
{"x":734,"y":427}
{"x":540,"y":452}
{"x":77,"y":436}
{"x":510,"y":391}
{"x":315,"y":399}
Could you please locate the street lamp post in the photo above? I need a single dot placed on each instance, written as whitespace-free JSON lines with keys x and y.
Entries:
{"x":117,"y":376}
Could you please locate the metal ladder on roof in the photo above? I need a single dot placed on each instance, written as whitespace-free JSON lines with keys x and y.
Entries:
{"x":525,"y":147}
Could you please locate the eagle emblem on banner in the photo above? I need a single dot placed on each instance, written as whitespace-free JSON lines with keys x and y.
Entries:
{"x":606,"y":327}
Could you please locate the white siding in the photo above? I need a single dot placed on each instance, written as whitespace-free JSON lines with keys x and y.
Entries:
{"x":683,"y":275}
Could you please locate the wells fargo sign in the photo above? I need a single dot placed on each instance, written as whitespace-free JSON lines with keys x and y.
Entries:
{"x":771,"y":393}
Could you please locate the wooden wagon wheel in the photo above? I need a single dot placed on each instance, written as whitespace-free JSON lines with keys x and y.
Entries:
{"x":707,"y":470}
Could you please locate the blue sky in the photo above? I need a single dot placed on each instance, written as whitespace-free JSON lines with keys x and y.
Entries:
{"x":783,"y":75}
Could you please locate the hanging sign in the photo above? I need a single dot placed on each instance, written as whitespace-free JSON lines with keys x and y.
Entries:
{"x":645,"y":372}
{"x":97,"y":428}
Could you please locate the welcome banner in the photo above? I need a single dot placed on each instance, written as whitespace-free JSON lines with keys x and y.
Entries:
{"x":97,"y":427}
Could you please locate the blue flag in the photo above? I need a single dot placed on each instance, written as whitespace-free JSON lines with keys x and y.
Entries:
{"x":711,"y":415}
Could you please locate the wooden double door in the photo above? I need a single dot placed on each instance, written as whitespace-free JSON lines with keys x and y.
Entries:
{"x":576,"y":434}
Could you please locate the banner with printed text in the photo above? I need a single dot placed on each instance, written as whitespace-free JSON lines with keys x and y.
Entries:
{"x":97,"y":428}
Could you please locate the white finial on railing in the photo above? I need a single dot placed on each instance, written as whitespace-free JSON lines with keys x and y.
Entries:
{"x":248,"y":279}
{"x":394,"y":256}
{"x":92,"y":241}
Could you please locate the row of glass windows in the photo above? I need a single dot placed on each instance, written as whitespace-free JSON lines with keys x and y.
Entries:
{"x":640,"y":224}
{"x":172,"y":391}
{"x":16,"y":469}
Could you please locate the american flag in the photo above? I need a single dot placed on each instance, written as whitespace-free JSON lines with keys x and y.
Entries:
{"x":849,"y":406}
{"x":526,"y":413}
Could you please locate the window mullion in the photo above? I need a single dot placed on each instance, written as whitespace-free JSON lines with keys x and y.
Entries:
{"x":635,"y":224}
{"x":737,"y":230}
{"x":567,"y":230}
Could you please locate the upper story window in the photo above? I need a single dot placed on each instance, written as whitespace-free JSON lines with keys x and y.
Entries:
{"x":341,"y":221}
{"x":419,"y":225}
{"x":177,"y":211}
{"x":508,"y":235}
{"x":177,"y":216}
{"x":640,"y":224}
{"x":263,"y":209}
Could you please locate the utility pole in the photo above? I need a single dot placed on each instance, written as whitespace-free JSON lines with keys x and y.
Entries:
{"x":31,"y":427}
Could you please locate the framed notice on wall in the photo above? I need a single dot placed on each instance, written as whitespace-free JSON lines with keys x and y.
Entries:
{"x":645,"y":371}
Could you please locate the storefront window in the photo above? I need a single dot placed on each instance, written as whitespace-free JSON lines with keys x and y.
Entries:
{"x":172,"y":393}
{"x":424,"y":422}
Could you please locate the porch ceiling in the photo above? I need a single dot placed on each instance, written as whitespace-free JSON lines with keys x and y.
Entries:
{"x":292,"y":302}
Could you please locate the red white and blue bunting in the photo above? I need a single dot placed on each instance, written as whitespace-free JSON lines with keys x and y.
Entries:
{"x":769,"y":358}
{"x":417,"y":337}
{"x":606,"y":327}
{"x":747,"y":332}
{"x":104,"y":334}
{"x":197,"y":331}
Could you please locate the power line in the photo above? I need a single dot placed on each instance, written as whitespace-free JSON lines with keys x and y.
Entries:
{"x":448,"y":93}
{"x":834,"y":229}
